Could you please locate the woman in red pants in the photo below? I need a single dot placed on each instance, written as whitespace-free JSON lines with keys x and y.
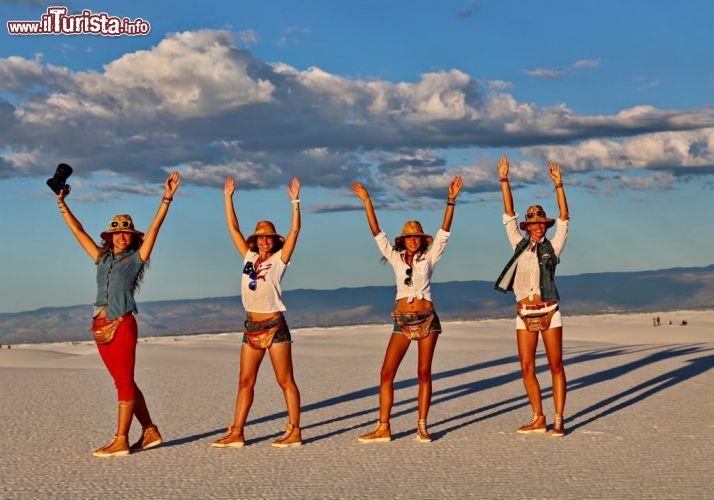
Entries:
{"x":121,"y":260}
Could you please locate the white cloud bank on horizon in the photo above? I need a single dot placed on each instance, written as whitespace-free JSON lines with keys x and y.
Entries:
{"x":199,"y":103}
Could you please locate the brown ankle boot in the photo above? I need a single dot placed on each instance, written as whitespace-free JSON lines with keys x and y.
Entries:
{"x":118,"y":447}
{"x":558,"y":427}
{"x":150,"y":437}
{"x":537,"y":425}
{"x":422,"y":434}
{"x":291,"y":437}
{"x":234,"y":439}
{"x":380,"y":434}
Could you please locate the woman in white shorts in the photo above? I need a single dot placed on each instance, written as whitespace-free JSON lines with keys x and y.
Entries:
{"x":530,"y":274}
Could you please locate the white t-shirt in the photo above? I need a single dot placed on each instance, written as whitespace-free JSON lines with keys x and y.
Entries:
{"x":422,"y":266}
{"x":266,"y":297}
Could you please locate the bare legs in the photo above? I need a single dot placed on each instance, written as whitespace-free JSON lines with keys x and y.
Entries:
{"x":396,"y":349}
{"x":527,"y":344}
{"x":281,"y":359}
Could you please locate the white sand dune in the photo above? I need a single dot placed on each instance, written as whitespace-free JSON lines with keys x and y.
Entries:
{"x":639,"y":416}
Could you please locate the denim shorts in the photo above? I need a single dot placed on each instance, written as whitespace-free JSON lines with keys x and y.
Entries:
{"x":282,"y":336}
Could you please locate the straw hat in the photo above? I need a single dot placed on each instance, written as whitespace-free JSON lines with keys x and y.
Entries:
{"x":412,"y":228}
{"x":120,"y":224}
{"x":263,"y":228}
{"x":534,"y":214}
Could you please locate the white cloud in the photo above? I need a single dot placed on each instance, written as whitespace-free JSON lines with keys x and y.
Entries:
{"x":249,"y":37}
{"x":549,"y":74}
{"x":556,"y":74}
{"x":661,"y":150}
{"x":586,"y":63}
{"x":199,"y":103}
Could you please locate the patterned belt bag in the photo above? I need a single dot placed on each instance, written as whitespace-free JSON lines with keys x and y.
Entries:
{"x":414,"y":325}
{"x":260,"y":333}
{"x":104,"y":330}
{"x":538,"y":322}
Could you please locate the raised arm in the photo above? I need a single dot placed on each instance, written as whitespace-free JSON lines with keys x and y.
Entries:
{"x":231,"y":219}
{"x":454,"y":190}
{"x":170,"y":186}
{"x":86,"y":242}
{"x":291,"y":240}
{"x":554,"y":172}
{"x":503,"y":167}
{"x":363,"y":195}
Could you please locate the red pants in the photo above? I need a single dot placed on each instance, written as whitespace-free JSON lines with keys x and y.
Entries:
{"x":119,"y":356}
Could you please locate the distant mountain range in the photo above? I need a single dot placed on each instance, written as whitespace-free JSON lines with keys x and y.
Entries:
{"x":597,"y":293}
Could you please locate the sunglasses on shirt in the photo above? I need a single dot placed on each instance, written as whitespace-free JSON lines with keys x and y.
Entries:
{"x":249,"y":270}
{"x":408,"y":279}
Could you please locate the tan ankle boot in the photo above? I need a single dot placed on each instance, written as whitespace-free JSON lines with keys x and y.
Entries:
{"x":558,"y":427}
{"x":422,"y":434}
{"x":118,"y":447}
{"x":150,"y":437}
{"x":381,"y":434}
{"x":537,"y":425}
{"x":291,"y":437}
{"x":234,"y":439}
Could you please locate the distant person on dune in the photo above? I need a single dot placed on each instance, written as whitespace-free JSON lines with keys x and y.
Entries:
{"x":413,"y":258}
{"x":121,"y":261}
{"x":266,"y":256}
{"x":530,"y":274}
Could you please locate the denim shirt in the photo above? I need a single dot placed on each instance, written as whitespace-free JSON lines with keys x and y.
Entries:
{"x":115,"y":276}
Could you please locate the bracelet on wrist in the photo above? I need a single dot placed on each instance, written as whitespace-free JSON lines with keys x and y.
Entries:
{"x":167,"y":199}
{"x":503,"y":179}
{"x":559,"y":185}
{"x":295,"y":201}
{"x":450,"y":203}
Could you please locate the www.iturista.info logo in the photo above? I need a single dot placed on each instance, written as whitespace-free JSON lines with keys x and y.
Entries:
{"x":57,"y":22}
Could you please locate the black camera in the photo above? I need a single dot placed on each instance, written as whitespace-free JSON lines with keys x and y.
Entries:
{"x":59,"y":181}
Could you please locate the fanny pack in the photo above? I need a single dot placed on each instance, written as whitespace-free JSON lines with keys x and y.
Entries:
{"x":538,"y":322}
{"x":414,"y":325}
{"x":260,"y":333}
{"x":104,"y":330}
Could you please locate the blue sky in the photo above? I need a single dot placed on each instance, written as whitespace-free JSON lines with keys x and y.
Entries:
{"x":398,"y":95}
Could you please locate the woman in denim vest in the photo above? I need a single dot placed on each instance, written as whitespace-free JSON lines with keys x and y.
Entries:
{"x":530,"y":274}
{"x":266,"y":256}
{"x":121,"y":261}
{"x":413,"y":258}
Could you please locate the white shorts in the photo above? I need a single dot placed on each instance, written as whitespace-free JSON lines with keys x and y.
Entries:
{"x":555,"y":322}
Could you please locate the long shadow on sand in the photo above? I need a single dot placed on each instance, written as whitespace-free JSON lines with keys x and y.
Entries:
{"x":692,"y":367}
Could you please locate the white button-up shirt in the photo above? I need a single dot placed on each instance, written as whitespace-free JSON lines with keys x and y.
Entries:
{"x":422,"y":266}
{"x":527,"y":280}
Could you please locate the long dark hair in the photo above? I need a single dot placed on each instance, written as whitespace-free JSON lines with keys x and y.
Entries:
{"x":136,"y":242}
